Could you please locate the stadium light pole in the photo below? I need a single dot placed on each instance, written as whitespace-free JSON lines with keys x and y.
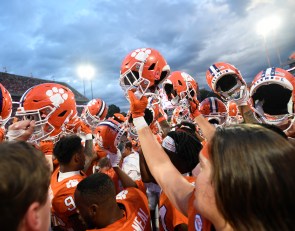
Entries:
{"x":265,"y":27}
{"x":86,"y":72}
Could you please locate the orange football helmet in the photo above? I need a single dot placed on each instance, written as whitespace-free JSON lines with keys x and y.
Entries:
{"x":234,"y":115}
{"x":224,"y":79}
{"x":143,"y":69}
{"x":180,"y":114}
{"x":180,"y":85}
{"x":109,"y":134}
{"x":214,"y":110}
{"x":272,"y":95}
{"x":94,"y":112}
{"x":5,"y":105}
{"x":51,"y":105}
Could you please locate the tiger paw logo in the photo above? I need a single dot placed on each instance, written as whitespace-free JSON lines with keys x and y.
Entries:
{"x":72,"y":183}
{"x":141,"y":54}
{"x":122,"y":195}
{"x":57,"y":96}
{"x":186,"y":76}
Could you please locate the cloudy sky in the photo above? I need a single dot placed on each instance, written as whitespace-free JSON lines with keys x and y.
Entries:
{"x":50,"y":39}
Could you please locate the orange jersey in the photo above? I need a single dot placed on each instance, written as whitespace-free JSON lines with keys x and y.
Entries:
{"x":195,"y":221}
{"x":62,"y":198}
{"x":137,"y":215}
{"x":113,"y":175}
{"x":170,"y":217}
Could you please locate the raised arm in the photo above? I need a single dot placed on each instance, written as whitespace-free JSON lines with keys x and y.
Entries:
{"x":176,"y":187}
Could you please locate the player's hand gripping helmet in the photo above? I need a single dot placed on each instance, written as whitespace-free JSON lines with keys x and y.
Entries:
{"x":225,"y":80}
{"x":214,"y":110}
{"x":180,"y":85}
{"x":5,"y":105}
{"x":272,"y":94}
{"x":109,"y":134}
{"x":51,"y":105}
{"x":94,"y":112}
{"x":143,"y":69}
{"x":180,"y":114}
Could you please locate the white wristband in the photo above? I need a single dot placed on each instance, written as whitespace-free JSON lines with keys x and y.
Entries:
{"x":139,"y":123}
{"x":88,"y":137}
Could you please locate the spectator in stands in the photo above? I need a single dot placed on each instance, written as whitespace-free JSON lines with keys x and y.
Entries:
{"x":24,"y":178}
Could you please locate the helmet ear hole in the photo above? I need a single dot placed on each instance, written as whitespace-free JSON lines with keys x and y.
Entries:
{"x":226,"y":83}
{"x":62,"y":113}
{"x":152,"y":67}
{"x":168,"y":88}
{"x":163,"y":76}
{"x":275,"y":98}
{"x":148,"y":116}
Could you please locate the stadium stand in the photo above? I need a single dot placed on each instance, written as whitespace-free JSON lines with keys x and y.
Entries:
{"x":17,"y":85}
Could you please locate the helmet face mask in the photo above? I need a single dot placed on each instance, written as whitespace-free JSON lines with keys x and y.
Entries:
{"x":42,"y":127}
{"x":132,"y":79}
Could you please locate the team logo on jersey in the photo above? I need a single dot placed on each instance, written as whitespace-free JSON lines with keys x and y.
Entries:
{"x":198,"y":223}
{"x":72,"y":183}
{"x":122,"y":195}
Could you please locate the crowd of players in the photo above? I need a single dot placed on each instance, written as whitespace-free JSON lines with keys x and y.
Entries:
{"x":225,"y":163}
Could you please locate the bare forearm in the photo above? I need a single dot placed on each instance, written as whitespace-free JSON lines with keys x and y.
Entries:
{"x":125,"y":179}
{"x":207,"y":129}
{"x":248,"y":114}
{"x":175,"y":186}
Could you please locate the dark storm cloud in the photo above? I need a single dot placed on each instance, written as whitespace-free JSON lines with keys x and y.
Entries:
{"x":51,"y":38}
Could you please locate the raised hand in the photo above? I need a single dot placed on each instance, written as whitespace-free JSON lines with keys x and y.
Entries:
{"x":137,"y":106}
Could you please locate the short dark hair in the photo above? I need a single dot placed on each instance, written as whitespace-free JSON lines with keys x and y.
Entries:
{"x":128,"y":144}
{"x":187,"y":148}
{"x":97,"y":188}
{"x":66,"y":147}
{"x":24,"y":177}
